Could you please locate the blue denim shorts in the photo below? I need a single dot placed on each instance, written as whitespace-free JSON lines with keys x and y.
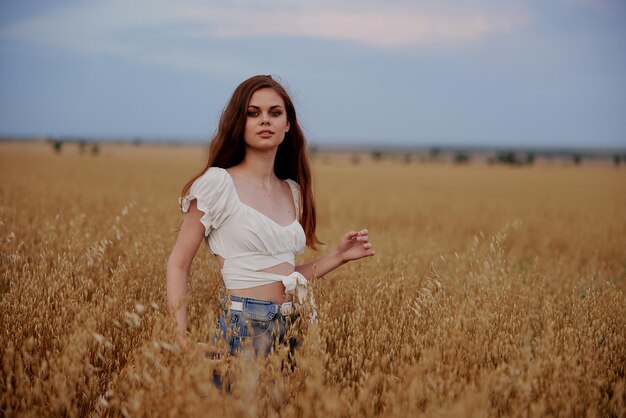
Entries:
{"x":259,"y":325}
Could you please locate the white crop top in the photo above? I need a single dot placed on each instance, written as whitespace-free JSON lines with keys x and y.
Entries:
{"x":246,"y":239}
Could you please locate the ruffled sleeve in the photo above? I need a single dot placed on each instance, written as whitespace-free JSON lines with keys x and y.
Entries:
{"x":295,"y":191}
{"x":213,"y":197}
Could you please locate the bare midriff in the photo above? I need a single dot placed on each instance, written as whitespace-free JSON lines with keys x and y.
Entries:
{"x":274,"y":292}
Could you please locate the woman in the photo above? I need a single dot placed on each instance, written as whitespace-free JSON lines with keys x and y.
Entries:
{"x":253,"y":203}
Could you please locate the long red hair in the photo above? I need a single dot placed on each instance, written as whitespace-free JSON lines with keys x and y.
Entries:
{"x":228,"y":148}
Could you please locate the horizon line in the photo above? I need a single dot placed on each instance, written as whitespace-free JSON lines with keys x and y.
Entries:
{"x":327,"y":145}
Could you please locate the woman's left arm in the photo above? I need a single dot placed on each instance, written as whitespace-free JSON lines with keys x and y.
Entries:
{"x":354,"y":245}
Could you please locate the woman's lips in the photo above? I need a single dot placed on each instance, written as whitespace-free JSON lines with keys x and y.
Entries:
{"x":265,"y":134}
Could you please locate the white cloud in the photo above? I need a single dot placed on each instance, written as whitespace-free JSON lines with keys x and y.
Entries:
{"x":129,"y":28}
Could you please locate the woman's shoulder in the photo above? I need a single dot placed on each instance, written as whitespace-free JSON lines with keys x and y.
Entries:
{"x":293,"y":184}
{"x":214,"y":174}
{"x":295,"y":192}
{"x":213,"y":179}
{"x":213,"y":193}
{"x":295,"y":189}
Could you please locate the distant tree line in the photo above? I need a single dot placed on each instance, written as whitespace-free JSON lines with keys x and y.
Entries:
{"x":512,"y":158}
{"x":434,"y":154}
{"x":59,"y":144}
{"x":505,"y":157}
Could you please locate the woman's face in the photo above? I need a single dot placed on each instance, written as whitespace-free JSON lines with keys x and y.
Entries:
{"x":266,"y":120}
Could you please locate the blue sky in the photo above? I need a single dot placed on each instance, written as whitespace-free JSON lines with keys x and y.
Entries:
{"x":460,"y":72}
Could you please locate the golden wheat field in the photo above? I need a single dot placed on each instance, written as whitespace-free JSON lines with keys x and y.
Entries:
{"x":495,"y":291}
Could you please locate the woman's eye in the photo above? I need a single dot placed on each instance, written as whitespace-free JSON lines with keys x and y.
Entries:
{"x":253,"y":113}
{"x":276,"y":113}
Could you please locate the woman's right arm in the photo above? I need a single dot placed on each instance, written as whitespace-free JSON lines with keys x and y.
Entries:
{"x":189,"y":238}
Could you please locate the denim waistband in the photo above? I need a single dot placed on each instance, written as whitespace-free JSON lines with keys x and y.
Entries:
{"x":257,"y":308}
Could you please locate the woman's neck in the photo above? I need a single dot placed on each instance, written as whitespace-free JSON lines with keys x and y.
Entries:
{"x":260,"y":166}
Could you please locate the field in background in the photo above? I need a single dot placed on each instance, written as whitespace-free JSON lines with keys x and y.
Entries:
{"x":495,"y":291}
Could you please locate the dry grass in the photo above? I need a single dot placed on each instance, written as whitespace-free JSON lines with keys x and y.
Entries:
{"x":494,"y":292}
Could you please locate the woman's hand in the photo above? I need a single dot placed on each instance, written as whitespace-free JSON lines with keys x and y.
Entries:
{"x":355,"y":245}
